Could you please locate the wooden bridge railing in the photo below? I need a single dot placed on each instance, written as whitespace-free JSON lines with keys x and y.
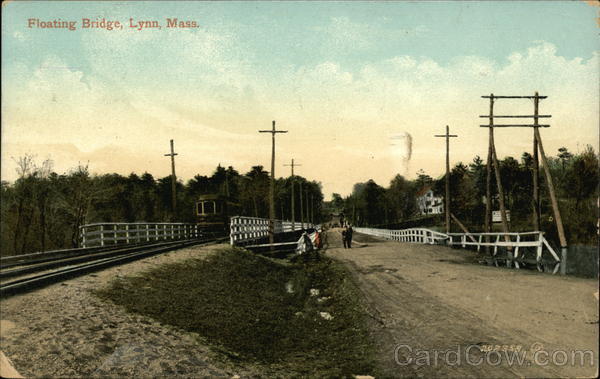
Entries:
{"x":110,"y":233}
{"x":517,"y":241}
{"x":248,"y":229}
{"x":418,"y":235}
{"x":515,"y":246}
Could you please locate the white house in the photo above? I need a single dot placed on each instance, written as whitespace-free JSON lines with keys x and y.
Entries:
{"x":429,"y":203}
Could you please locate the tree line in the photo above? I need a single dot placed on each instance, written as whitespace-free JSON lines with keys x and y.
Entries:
{"x":42,"y":210}
{"x":575,"y":177}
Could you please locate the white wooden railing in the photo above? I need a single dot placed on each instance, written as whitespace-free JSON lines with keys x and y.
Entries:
{"x":515,"y":243}
{"x":248,"y":229}
{"x":417,"y":235}
{"x":102,"y":234}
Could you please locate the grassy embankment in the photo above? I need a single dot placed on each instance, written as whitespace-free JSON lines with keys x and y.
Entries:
{"x":259,"y":311}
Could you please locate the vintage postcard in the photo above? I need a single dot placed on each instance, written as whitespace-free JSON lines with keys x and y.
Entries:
{"x":299,"y":189}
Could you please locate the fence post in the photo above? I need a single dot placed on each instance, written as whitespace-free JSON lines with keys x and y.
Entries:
{"x":496,"y":245}
{"x":127,"y":233}
{"x":463,"y":239}
{"x":509,"y":254}
{"x":101,"y":235}
{"x":517,"y":249}
{"x":538,"y":255}
{"x":82,"y":233}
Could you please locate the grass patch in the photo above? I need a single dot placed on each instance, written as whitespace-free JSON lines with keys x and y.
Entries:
{"x":259,"y":310}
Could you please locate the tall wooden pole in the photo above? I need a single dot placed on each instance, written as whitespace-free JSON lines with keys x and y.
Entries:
{"x":293,"y":206}
{"x":173,"y":181}
{"x":557,"y":217}
{"x":536,"y":166}
{"x":272,"y":184}
{"x":499,"y":181}
{"x":307,"y":209}
{"x":293,"y":195}
{"x":488,"y":192}
{"x":447,"y":181}
{"x":488,"y":179}
{"x":312,"y":210}
{"x":447,"y":197}
{"x":301,"y":208}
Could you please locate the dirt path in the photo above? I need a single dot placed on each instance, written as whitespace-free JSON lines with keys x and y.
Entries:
{"x":65,"y":331}
{"x":427,"y":300}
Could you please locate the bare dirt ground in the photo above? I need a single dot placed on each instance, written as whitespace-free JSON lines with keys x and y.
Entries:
{"x":425,"y":298}
{"x":63,"y":330}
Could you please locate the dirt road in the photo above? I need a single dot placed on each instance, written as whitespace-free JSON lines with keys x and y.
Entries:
{"x":436,"y":313}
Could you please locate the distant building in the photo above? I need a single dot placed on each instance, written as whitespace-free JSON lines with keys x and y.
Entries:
{"x":429,"y":203}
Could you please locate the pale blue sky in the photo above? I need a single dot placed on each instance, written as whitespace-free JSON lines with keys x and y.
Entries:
{"x":296,"y":33}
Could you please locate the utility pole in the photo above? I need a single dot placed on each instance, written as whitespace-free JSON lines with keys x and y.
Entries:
{"x":301,"y":208}
{"x":447,"y":200}
{"x":173,"y":180}
{"x":293,"y":210}
{"x":537,"y":145}
{"x":488,"y":178}
{"x":312,"y":210}
{"x":536,"y":165}
{"x":494,"y":159}
{"x":307,"y":208}
{"x":272,"y":184}
{"x":488,"y":188}
{"x":554,"y":201}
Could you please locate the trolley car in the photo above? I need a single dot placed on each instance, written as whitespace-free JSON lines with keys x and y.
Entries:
{"x":213,"y":212}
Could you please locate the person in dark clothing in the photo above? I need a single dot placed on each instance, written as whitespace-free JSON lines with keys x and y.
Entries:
{"x":344,"y":237}
{"x":349,"y":232}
